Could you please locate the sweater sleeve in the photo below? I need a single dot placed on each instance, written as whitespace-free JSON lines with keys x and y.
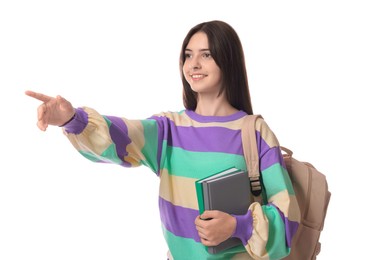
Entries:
{"x":266,"y":231}
{"x":116,"y":140}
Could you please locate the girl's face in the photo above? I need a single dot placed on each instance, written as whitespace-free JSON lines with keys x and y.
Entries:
{"x":200,"y":69}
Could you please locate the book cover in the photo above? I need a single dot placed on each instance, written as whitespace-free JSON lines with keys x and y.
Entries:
{"x":227,"y":191}
{"x":199,"y":186}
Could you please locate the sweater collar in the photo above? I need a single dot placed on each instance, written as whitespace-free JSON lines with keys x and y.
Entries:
{"x":208,"y":119}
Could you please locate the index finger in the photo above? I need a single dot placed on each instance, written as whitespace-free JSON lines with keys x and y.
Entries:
{"x":38,"y":96}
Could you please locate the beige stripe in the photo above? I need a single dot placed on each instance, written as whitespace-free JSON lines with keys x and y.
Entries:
{"x":136,"y":133}
{"x":258,"y":241}
{"x":266,"y":133}
{"x":96,"y":130}
{"x":180,"y":185}
{"x":289,"y":207}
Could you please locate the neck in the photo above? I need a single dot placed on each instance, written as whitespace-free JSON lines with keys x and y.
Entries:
{"x":214,"y":106}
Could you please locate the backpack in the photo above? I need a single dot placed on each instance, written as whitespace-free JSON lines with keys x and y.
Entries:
{"x":311,"y":190}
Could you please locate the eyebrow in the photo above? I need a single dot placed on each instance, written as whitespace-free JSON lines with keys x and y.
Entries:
{"x":199,"y":50}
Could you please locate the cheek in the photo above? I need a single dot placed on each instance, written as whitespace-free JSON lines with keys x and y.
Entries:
{"x":218,"y":75}
{"x":186,"y":75}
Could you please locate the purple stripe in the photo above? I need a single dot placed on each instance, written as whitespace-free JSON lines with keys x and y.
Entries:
{"x":78,"y":123}
{"x":200,"y":139}
{"x":179,"y":220}
{"x":162,"y":124}
{"x":206,"y":139}
{"x":244,"y":227}
{"x":290,"y":226}
{"x":269,"y":156}
{"x":119,"y":135}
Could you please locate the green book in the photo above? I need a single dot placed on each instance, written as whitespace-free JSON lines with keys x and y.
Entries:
{"x":228,"y":191}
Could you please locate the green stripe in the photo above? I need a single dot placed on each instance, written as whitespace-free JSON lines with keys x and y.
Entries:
{"x":191,"y":164}
{"x":163,"y":154}
{"x":89,"y":156}
{"x":276,"y":179}
{"x":108,"y":155}
{"x":185,"y":248}
{"x":151,"y":144}
{"x":111,"y":154}
{"x":108,"y":121}
{"x":276,"y":246}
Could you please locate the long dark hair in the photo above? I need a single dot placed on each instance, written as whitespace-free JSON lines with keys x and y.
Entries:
{"x":227,"y":52}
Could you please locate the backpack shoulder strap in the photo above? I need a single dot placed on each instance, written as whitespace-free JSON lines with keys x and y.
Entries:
{"x":251,"y":154}
{"x":248,"y":135}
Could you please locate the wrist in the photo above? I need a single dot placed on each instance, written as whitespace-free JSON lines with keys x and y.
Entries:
{"x":74,"y":115}
{"x":77,"y":123}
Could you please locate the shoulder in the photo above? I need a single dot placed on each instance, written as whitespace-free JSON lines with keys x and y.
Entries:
{"x":266,"y":132}
{"x":260,"y":123}
{"x":177,"y":118}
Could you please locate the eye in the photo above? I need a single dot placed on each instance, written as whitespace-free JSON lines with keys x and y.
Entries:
{"x":187,"y":55}
{"x":206,"y":55}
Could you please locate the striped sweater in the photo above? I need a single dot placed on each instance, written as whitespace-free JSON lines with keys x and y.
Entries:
{"x":182,"y":147}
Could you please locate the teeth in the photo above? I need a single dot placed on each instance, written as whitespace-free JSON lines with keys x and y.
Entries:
{"x":197,"y":76}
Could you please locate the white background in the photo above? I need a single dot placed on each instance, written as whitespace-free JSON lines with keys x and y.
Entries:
{"x":318,"y":72}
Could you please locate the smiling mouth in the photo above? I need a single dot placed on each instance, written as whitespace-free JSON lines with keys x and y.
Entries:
{"x":198,"y":76}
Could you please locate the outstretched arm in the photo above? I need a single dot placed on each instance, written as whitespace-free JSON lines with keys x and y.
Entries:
{"x":53,"y":111}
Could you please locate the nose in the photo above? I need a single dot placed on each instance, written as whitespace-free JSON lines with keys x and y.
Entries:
{"x":194,"y":64}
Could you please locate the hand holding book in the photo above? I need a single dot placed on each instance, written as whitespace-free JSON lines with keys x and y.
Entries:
{"x":219,"y":227}
{"x":222,"y":193}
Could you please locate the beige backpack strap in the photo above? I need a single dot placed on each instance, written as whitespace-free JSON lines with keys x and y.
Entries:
{"x":251,"y":154}
{"x":249,"y":146}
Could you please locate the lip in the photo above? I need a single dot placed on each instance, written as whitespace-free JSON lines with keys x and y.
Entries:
{"x":197,"y":76}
